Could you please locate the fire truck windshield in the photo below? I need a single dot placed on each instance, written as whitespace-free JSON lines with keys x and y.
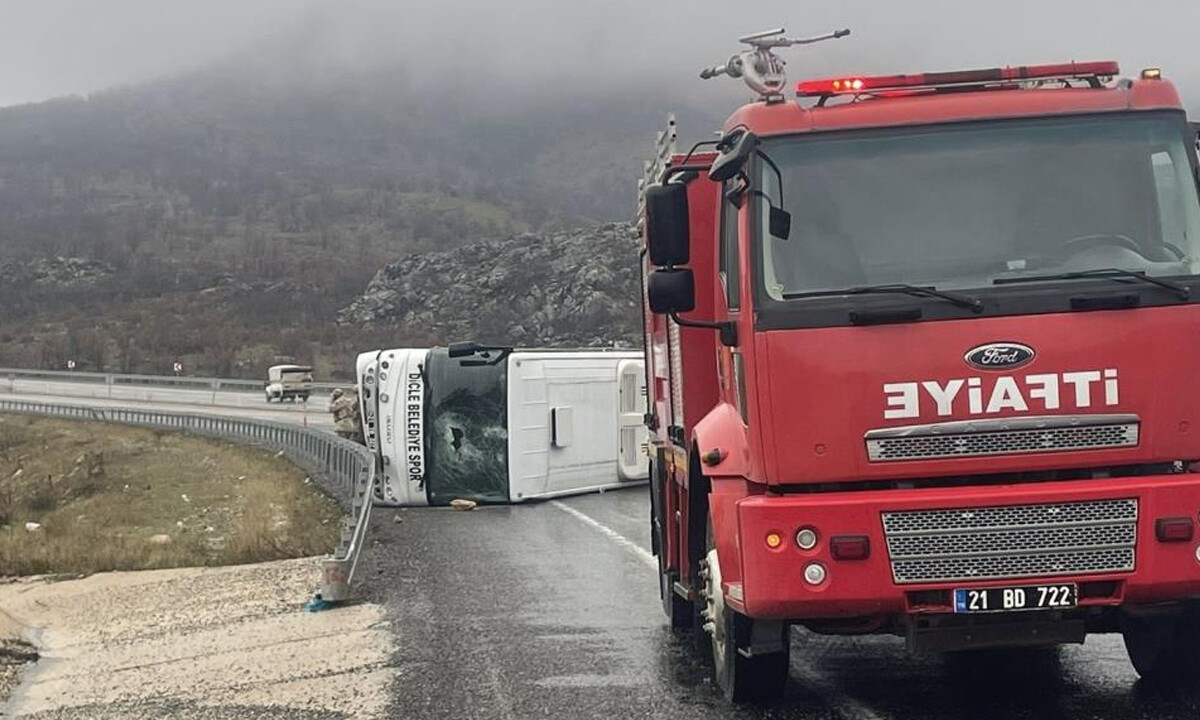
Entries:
{"x":962,"y":206}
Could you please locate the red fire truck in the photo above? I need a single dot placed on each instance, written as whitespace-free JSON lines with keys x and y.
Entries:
{"x":923,"y":357}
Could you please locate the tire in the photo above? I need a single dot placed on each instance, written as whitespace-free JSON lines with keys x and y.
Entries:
{"x":1165,"y":651}
{"x":268,"y":397}
{"x":761,"y":678}
{"x":680,"y":612}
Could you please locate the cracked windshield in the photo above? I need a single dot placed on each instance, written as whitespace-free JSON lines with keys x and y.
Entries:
{"x":366,"y":360}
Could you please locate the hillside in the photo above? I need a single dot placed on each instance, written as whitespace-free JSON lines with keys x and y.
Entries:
{"x":568,"y":288}
{"x":233,"y":211}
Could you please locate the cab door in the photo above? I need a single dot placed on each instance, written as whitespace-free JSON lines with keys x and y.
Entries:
{"x":728,"y":305}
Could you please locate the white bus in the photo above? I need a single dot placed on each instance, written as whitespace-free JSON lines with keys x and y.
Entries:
{"x":495,"y":425}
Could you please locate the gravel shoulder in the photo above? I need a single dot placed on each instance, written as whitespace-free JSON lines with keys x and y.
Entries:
{"x":227,"y":642}
{"x":16,"y":654}
{"x":15,"y":657}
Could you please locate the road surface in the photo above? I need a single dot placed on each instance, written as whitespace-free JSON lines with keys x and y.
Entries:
{"x":224,"y":402}
{"x":552,"y":611}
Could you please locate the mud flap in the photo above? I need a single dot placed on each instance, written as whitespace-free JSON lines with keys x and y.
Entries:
{"x":763,"y":638}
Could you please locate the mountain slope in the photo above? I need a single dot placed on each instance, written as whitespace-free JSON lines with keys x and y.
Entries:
{"x":557,"y":289}
{"x":237,"y":208}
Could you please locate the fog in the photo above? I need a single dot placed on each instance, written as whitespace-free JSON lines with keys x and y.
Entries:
{"x":56,"y":47}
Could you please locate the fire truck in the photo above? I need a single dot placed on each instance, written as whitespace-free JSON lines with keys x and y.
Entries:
{"x":921,"y":356}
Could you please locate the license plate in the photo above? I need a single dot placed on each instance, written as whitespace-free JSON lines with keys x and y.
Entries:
{"x":1013,"y":599}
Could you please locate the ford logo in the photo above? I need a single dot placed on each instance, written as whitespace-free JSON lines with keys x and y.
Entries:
{"x":999,"y":356}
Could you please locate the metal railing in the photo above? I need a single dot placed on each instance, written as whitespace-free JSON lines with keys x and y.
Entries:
{"x":344,"y":469}
{"x":131,"y":389}
{"x":178,"y":381}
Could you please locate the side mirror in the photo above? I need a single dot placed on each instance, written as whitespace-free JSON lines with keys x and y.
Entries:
{"x":1195,"y":126}
{"x":667,"y":229}
{"x":462,"y":349}
{"x":479,"y":354}
{"x":671,"y":291}
{"x":779,"y":223}
{"x":734,"y":158}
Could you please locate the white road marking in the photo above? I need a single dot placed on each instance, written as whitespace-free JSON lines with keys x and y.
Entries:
{"x":636,"y":550}
{"x":812,"y":678}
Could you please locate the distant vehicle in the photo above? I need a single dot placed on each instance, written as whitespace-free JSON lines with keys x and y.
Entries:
{"x":497,"y":425}
{"x":288,"y":382}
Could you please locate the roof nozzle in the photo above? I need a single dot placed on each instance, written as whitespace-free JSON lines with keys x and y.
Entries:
{"x":759,"y":67}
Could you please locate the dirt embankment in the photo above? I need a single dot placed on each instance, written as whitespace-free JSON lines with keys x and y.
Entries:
{"x":83,"y":497}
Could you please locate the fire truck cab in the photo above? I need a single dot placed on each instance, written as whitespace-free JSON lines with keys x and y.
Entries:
{"x":922,"y":354}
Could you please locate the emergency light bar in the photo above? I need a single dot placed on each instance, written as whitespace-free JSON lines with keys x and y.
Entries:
{"x":1091,"y":71}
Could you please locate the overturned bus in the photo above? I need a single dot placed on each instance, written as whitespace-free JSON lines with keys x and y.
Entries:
{"x":496,"y":425}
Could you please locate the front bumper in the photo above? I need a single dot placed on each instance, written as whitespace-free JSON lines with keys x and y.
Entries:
{"x":773,"y":585}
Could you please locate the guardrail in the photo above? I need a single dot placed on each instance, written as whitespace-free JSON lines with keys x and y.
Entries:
{"x":344,"y":469}
{"x":180,"y":381}
{"x":150,"y":389}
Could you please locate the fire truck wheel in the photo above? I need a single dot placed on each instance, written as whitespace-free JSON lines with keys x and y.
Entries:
{"x":1166,"y":650}
{"x":759,"y":678}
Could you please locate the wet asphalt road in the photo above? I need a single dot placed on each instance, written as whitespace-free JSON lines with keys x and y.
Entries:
{"x":552,"y":611}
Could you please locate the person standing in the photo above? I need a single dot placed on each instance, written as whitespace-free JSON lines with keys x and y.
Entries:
{"x":344,"y":406}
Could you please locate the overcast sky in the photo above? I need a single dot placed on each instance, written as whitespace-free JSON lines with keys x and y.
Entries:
{"x":56,"y":47}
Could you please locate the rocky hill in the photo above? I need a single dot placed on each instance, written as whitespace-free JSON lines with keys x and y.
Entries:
{"x":576,"y":287}
{"x":57,"y":270}
{"x":222,"y":217}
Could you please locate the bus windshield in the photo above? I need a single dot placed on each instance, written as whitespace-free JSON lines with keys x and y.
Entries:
{"x":466,"y":430}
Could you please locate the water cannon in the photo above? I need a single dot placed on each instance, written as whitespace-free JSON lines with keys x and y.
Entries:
{"x":758,"y":66}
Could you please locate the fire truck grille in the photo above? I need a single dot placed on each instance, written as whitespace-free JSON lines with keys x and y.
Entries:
{"x":1002,"y":442}
{"x":1018,"y":541}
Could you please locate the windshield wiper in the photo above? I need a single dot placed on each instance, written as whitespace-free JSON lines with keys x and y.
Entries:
{"x":964,"y":301}
{"x":1180,"y":291}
